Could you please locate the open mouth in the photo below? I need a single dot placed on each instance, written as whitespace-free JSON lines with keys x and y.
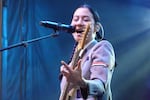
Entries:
{"x":79,"y":31}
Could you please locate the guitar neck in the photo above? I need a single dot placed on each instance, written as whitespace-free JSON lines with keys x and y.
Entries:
{"x":64,"y":95}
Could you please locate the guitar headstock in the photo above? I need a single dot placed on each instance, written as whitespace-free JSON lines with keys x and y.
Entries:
{"x":81,"y":43}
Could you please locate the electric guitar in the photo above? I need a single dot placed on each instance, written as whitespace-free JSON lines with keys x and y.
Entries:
{"x":67,"y":94}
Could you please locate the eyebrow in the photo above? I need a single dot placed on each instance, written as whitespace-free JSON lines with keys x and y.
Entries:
{"x":82,"y":16}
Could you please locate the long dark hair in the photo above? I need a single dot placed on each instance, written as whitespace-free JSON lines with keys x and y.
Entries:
{"x":98,"y":36}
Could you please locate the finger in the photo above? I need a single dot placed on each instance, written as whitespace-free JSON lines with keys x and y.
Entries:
{"x":79,"y":62}
{"x":78,"y":65}
{"x":65,"y":73}
{"x":66,"y":66}
{"x":61,"y":67}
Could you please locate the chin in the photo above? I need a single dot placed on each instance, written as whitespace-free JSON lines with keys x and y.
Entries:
{"x":77,"y":40}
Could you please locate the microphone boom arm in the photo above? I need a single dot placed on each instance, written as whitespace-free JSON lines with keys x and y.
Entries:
{"x":25,"y":43}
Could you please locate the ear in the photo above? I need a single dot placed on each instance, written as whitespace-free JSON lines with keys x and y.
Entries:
{"x":97,"y":27}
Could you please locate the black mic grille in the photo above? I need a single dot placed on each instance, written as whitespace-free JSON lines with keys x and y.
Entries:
{"x":58,"y":26}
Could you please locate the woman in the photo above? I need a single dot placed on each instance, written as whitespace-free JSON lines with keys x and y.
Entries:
{"x":91,"y":77}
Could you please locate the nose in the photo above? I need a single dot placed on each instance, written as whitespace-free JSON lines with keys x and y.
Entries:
{"x":79,"y":22}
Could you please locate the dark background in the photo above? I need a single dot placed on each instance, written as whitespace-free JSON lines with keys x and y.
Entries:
{"x":31,"y":72}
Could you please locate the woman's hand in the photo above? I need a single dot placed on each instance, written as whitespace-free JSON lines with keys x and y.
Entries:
{"x":72,"y":75}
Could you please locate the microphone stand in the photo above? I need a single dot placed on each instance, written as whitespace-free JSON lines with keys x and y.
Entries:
{"x":25,"y":43}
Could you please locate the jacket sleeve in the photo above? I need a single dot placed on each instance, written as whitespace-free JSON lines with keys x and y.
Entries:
{"x":102,"y":61}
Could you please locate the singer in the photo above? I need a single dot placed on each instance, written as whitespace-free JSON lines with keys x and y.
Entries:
{"x":92,"y":75}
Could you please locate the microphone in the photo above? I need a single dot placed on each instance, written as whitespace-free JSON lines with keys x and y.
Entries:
{"x":58,"y":26}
